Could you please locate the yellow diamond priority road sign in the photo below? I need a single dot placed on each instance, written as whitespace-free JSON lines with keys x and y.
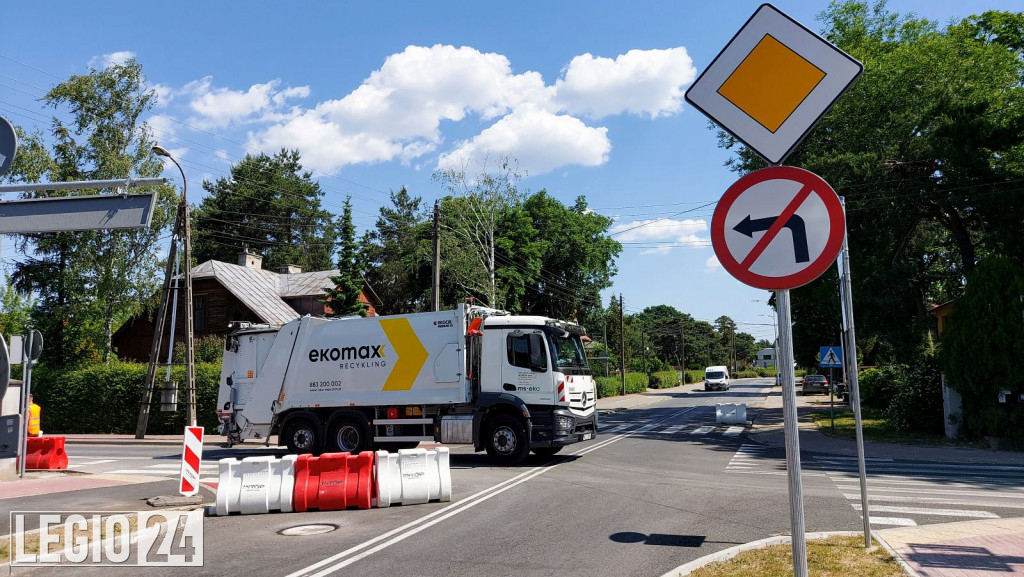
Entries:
{"x":772,"y":83}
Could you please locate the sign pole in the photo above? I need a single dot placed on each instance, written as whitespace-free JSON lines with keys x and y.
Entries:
{"x":850,"y":366}
{"x":796,"y":488}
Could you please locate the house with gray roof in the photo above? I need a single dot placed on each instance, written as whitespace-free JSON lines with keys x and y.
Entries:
{"x":223,"y":293}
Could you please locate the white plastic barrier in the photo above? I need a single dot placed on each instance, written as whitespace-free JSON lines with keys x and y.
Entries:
{"x":731,"y":413}
{"x":256,"y":485}
{"x":413,"y":476}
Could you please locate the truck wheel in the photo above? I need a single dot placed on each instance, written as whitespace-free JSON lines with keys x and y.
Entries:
{"x":506,"y":440}
{"x":301,"y":436}
{"x":546,"y":451}
{"x":348,"y":435}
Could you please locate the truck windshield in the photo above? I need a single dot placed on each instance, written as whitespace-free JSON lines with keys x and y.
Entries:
{"x":568,"y":351}
{"x":714,"y":375}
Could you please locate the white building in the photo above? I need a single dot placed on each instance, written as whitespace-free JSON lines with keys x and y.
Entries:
{"x":765,"y":358}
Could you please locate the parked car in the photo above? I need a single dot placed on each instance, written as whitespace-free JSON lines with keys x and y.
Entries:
{"x":815,"y":384}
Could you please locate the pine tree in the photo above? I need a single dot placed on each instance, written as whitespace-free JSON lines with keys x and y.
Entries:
{"x":343,"y":297}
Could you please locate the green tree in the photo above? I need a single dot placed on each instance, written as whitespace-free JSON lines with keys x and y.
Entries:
{"x":489,"y":234}
{"x":398,"y":255}
{"x":343,"y":297}
{"x":930,"y":168}
{"x":268,"y":205}
{"x":15,"y":310}
{"x":89,"y":282}
{"x":577,"y":259}
{"x":983,"y":345}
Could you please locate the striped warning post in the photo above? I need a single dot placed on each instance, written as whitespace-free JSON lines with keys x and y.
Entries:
{"x":191,"y":459}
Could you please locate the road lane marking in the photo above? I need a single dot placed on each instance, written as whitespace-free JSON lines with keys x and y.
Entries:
{"x":977,"y":492}
{"x":325,"y":567}
{"x":937,"y":512}
{"x":898,"y":521}
{"x":934,"y":501}
{"x":702,"y":430}
{"x":733,"y":431}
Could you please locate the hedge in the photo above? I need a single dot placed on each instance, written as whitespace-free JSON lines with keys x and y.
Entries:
{"x":612,"y":386}
{"x":664,"y":380}
{"x":102,"y":399}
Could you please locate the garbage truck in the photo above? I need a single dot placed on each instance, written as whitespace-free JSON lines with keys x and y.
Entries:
{"x":508,"y":384}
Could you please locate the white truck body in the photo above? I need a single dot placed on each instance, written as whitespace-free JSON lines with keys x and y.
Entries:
{"x":506,"y":383}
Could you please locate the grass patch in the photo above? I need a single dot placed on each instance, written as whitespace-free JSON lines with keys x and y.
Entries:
{"x":875,"y":429}
{"x":831,"y":557}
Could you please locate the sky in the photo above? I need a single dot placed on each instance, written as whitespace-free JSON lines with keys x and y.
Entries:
{"x":587,"y":96}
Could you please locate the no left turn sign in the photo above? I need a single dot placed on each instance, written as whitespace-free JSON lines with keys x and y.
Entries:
{"x":778,"y":228}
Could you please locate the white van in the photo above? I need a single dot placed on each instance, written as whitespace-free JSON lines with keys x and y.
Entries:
{"x":716,"y":378}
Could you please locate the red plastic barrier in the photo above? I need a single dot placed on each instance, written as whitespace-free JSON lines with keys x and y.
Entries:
{"x":333,"y":481}
{"x":46,"y":453}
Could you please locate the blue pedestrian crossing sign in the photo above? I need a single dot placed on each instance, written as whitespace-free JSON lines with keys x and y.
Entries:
{"x":831,"y":357}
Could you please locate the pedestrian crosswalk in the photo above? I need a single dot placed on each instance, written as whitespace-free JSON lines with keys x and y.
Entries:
{"x":902,"y":492}
{"x":209,"y":470}
{"x":681,"y":430}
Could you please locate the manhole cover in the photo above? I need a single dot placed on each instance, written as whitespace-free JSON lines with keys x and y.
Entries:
{"x":303,"y":530}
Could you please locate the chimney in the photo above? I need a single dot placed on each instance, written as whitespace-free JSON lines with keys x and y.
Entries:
{"x":249,"y":259}
{"x":289,"y":269}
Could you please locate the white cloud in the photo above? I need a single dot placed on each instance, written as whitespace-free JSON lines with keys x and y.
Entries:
{"x":644,"y":82}
{"x":400,"y":110}
{"x":539,"y":140}
{"x":108,"y":60}
{"x":712,"y":265}
{"x":662,"y":230}
{"x":219,"y":107}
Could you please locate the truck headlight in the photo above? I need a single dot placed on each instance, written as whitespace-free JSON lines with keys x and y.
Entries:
{"x":564,"y":424}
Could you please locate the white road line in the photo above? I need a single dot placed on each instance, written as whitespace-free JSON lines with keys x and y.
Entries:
{"x":939,"y":467}
{"x":898,"y":521}
{"x":614,"y":429}
{"x":207,"y":464}
{"x":838,"y":458}
{"x":90,"y":463}
{"x":981,"y":492}
{"x":934,"y":501}
{"x":937,"y":512}
{"x":702,"y":430}
{"x":839,"y":477}
{"x":733,"y":431}
{"x":675,"y":429}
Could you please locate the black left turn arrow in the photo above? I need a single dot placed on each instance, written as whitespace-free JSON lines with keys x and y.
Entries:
{"x":795,"y":224}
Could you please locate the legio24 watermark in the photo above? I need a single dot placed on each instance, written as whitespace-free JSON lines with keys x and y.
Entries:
{"x":107,"y":538}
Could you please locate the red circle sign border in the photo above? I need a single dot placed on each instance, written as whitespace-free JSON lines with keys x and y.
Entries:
{"x":818,"y":186}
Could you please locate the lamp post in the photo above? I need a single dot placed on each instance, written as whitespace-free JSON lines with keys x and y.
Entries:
{"x":182,"y":229}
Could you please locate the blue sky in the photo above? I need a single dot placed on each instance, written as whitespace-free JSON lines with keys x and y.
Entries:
{"x":588,"y":96}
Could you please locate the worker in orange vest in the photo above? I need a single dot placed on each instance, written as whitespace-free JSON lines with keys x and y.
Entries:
{"x":34,"y":412}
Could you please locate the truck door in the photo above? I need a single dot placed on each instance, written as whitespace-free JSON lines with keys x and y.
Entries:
{"x":526,"y":367}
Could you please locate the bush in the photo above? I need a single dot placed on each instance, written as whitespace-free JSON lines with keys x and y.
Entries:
{"x":104,"y":398}
{"x":664,"y":380}
{"x":879,"y":385}
{"x":916,"y":403}
{"x":693,"y":375}
{"x":612,"y":386}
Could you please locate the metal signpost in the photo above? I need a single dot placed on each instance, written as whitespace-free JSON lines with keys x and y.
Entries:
{"x":768,"y":87}
{"x":831,"y":357}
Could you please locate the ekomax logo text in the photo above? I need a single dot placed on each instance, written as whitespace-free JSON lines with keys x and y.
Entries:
{"x":107,"y":538}
{"x":346,"y":353}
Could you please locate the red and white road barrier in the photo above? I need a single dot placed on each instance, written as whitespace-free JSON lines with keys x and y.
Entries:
{"x":191,"y":460}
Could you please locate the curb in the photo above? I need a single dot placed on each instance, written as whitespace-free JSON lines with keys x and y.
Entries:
{"x":888,"y":548}
{"x":132,"y":442}
{"x":731,"y":552}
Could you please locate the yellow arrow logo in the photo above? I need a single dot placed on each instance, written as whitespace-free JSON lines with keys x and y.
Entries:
{"x":411,"y":354}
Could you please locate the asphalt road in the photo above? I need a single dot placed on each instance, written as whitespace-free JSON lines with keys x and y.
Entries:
{"x":660,"y":486}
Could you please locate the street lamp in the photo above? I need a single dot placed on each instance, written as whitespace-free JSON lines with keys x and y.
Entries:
{"x":181,"y":224}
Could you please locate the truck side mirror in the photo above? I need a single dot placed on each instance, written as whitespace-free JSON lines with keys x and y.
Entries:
{"x":538,"y":360}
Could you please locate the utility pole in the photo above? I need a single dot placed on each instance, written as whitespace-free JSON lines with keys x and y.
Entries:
{"x":622,"y":344}
{"x":643,"y":347}
{"x":437,"y":255}
{"x":682,"y":346}
{"x":606,"y":351}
